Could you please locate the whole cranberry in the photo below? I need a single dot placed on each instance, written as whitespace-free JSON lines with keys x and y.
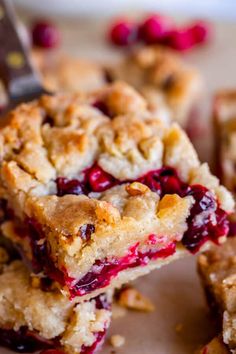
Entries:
{"x":123,"y":33}
{"x":154,"y":29}
{"x":180,"y":39}
{"x":201,"y":31}
{"x":99,"y":180}
{"x":45,"y":35}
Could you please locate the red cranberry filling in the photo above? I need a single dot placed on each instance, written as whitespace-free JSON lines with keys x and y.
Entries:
{"x":73,"y":186}
{"x":100,"y":336}
{"x":206,"y":220}
{"x":104,"y":270}
{"x":23,"y":340}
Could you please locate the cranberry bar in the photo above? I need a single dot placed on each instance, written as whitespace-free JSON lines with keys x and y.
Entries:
{"x":167,"y":83}
{"x":34,"y":315}
{"x":96,"y":190}
{"x":224,"y":115}
{"x":225,"y":124}
{"x":217,"y":268}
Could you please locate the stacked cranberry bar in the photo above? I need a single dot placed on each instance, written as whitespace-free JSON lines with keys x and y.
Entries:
{"x":96,"y":190}
{"x":217,"y":268}
{"x":168,"y":84}
{"x":34,"y":314}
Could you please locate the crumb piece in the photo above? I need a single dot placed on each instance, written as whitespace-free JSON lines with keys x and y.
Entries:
{"x":136,"y":188}
{"x":118,"y":311}
{"x":35,"y":282}
{"x":132,"y":299}
{"x":117,"y":340}
{"x":179,"y":327}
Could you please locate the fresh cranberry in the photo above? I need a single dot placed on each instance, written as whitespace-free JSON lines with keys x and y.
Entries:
{"x":99,"y":180}
{"x":163,"y":181}
{"x":151,"y":180}
{"x":180,"y":39}
{"x":200,"y":31}
{"x":65,"y":186}
{"x":123,"y":33}
{"x":45,"y":35}
{"x":154,"y":29}
{"x":86,"y":231}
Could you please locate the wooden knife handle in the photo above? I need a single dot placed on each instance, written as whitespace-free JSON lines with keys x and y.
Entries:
{"x":16,"y":70}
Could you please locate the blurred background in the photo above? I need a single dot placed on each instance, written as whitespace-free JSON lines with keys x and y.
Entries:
{"x":218,"y":9}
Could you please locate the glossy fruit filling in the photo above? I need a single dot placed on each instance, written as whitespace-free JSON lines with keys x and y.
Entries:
{"x":103,"y":271}
{"x":25,"y":341}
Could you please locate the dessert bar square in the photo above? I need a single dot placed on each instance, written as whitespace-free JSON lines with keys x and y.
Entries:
{"x":96,"y":190}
